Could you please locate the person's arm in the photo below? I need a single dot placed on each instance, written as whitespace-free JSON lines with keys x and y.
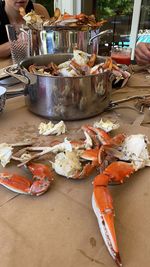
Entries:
{"x":4,"y":50}
{"x":142,"y":53}
{"x":41,"y":10}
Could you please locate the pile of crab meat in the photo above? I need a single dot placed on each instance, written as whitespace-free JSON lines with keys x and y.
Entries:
{"x":78,"y":162}
{"x":77,"y":158}
{"x":80,"y":21}
{"x":82,"y":64}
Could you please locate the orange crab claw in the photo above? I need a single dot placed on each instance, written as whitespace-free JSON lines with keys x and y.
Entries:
{"x":103,"y":137}
{"x":15,"y":182}
{"x":92,"y":60}
{"x":108,"y":64}
{"x":80,"y":16}
{"x":92,"y":134}
{"x":102,"y":203}
{"x":40,"y":171}
{"x":86,"y":171}
{"x":118,"y":139}
{"x":118,"y":171}
{"x":106,"y":221}
{"x":90,"y":154}
{"x":68,"y":16}
{"x":42,"y":178}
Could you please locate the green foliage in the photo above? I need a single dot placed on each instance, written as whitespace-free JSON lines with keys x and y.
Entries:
{"x":105,"y":9}
{"x":49,"y":4}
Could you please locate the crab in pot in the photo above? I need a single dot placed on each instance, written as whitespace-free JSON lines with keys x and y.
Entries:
{"x":32,"y":19}
{"x":80,"y":64}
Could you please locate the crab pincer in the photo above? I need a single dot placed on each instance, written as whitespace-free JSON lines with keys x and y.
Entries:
{"x":41,"y":180}
{"x":102,"y":203}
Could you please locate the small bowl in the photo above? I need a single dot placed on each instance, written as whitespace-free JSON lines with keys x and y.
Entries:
{"x":2,"y":97}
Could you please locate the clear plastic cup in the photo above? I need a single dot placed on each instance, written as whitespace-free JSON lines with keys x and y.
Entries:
{"x":19,"y":38}
{"x":121,"y":55}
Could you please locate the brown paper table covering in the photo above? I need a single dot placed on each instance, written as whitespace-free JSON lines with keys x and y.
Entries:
{"x":59,"y":228}
{"x":5,"y":62}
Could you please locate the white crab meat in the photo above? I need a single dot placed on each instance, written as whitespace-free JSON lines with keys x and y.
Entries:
{"x":5,"y":153}
{"x":64,"y":146}
{"x":107,"y":125}
{"x":61,"y":147}
{"x":25,"y":156}
{"x":66,"y":21}
{"x":80,"y":57}
{"x":33,"y":19}
{"x":65,"y":64}
{"x":67,"y":163}
{"x":68,"y":72}
{"x":135,"y":149}
{"x":96,"y":69}
{"x":51,"y":129}
{"x":88,"y":140}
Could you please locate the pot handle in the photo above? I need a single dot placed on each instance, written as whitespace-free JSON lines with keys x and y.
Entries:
{"x":14,"y":71}
{"x":14,"y":93}
{"x":99,"y":34}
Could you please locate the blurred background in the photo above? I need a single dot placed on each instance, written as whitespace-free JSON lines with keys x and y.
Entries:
{"x":129,"y":20}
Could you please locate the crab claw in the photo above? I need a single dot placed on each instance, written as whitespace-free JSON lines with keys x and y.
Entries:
{"x":106,"y":223}
{"x":102,"y":204}
{"x":42,"y":178}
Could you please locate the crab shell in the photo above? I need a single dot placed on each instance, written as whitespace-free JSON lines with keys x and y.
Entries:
{"x":135,"y":150}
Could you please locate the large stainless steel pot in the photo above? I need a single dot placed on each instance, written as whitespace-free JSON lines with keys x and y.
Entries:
{"x":67,"y":98}
{"x":52,"y":40}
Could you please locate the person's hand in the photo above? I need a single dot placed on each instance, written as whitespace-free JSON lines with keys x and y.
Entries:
{"x":5,"y":50}
{"x":142,"y":53}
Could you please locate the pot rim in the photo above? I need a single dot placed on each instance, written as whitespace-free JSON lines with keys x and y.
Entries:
{"x":71,"y":28}
{"x":60,"y":77}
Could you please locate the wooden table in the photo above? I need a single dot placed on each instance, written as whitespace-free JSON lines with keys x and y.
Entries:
{"x":4,"y":62}
{"x":59,"y":228}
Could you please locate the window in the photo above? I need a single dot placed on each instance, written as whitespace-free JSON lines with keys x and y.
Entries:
{"x":144,"y":23}
{"x":119,"y":17}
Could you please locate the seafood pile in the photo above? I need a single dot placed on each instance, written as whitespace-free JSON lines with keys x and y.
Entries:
{"x":33,"y":20}
{"x":114,"y":158}
{"x":82,"y":64}
{"x":80,"y":21}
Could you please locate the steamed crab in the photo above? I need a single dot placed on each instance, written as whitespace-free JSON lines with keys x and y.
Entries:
{"x":127,"y":154}
{"x":134,"y":155}
{"x":41,"y":180}
{"x":32,"y":19}
{"x":80,"y":20}
{"x":41,"y":173}
{"x":120,"y":156}
{"x":81,"y":64}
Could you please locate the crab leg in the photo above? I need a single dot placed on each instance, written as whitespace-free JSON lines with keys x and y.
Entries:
{"x":102,"y":203}
{"x":42,"y":178}
{"x":103,"y":137}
